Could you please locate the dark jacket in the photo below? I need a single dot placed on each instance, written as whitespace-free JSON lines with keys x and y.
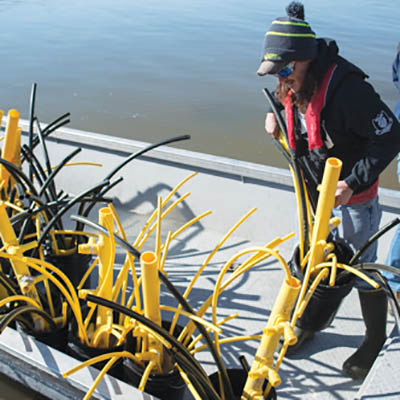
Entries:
{"x":362,"y":131}
{"x":396,"y":80}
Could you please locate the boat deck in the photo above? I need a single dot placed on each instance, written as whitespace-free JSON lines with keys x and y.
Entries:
{"x":229,"y":188}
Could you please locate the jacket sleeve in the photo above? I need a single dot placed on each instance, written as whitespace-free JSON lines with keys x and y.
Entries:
{"x":396,"y":70}
{"x":369,"y":119}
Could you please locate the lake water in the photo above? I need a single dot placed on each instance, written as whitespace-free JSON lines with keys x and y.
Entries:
{"x":152,"y":69}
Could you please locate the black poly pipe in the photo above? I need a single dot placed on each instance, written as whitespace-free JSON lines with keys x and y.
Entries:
{"x":153,"y":326}
{"x":104,"y":231}
{"x":372,"y":239}
{"x":54,"y":172}
{"x":63,"y":210}
{"x":296,"y":169}
{"x":8,"y":318}
{"x":146,"y":149}
{"x":92,"y":203}
{"x":203,"y":331}
{"x":31,"y":118}
{"x":18,"y":175}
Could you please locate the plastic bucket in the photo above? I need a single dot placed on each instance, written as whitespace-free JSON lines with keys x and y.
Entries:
{"x":238,"y":379}
{"x":73,"y":265}
{"x":325,"y":301}
{"x":83,"y":352}
{"x":56,"y":339}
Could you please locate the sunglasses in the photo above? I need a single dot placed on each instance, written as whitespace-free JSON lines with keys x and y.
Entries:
{"x":286,"y":70}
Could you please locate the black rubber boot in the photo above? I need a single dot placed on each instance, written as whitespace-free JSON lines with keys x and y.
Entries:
{"x":374,"y":311}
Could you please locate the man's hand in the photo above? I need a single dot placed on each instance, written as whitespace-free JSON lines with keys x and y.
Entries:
{"x":342,"y":194}
{"x":271,"y":125}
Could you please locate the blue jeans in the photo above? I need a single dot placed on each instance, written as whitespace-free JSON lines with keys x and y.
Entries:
{"x":393,"y":259}
{"x":358,"y":223}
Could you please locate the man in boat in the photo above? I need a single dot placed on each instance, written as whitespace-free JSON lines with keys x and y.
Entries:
{"x":331,"y":111}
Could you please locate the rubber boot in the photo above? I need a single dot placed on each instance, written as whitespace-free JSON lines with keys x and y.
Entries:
{"x":374,"y":312}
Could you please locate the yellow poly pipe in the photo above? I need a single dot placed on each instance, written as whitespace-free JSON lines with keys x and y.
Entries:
{"x":332,"y":277}
{"x":151,"y":303}
{"x":353,"y":270}
{"x":165,"y":252}
{"x":299,"y":214}
{"x":326,"y":201}
{"x":189,"y":329}
{"x":12,"y":246}
{"x":208,"y":259}
{"x":225,"y":268}
{"x":194,"y":317}
{"x":12,"y":145}
{"x":189,"y":384}
{"x":70,"y":296}
{"x":151,"y":286}
{"x":101,"y":357}
{"x":106,"y":254}
{"x":173,"y":236}
{"x":145,"y":376}
{"x":128,"y":264}
{"x":154,"y":226}
{"x":71,"y":164}
{"x":19,"y":298}
{"x":113,"y":358}
{"x":171,"y":193}
{"x":299,"y":311}
{"x":262,"y":367}
{"x":227,"y":340}
{"x":158,"y":230}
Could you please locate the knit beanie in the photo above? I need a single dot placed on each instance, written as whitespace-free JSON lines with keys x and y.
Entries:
{"x":288,"y":39}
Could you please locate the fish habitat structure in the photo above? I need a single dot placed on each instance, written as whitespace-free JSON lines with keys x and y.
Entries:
{"x":100,"y":266}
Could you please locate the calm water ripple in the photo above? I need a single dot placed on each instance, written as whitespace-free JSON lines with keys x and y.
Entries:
{"x":150,"y":69}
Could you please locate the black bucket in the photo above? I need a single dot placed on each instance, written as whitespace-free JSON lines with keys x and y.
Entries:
{"x":164,"y":386}
{"x":83,"y":352}
{"x":325,"y":301}
{"x":238,"y":379}
{"x":73,"y":265}
{"x":57,"y":338}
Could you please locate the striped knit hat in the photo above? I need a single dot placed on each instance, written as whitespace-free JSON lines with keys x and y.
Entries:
{"x":288,"y":39}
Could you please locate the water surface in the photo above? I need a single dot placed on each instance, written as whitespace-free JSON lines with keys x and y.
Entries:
{"x":151,"y":69}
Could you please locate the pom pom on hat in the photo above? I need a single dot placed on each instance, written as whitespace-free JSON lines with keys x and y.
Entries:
{"x":288,"y":39}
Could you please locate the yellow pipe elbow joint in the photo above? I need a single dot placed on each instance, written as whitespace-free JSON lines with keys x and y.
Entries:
{"x":288,"y":334}
{"x":88,"y":248}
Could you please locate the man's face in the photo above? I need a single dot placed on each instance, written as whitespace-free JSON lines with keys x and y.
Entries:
{"x":296,"y":79}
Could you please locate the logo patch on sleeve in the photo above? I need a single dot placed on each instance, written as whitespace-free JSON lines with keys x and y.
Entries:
{"x":382,"y":123}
